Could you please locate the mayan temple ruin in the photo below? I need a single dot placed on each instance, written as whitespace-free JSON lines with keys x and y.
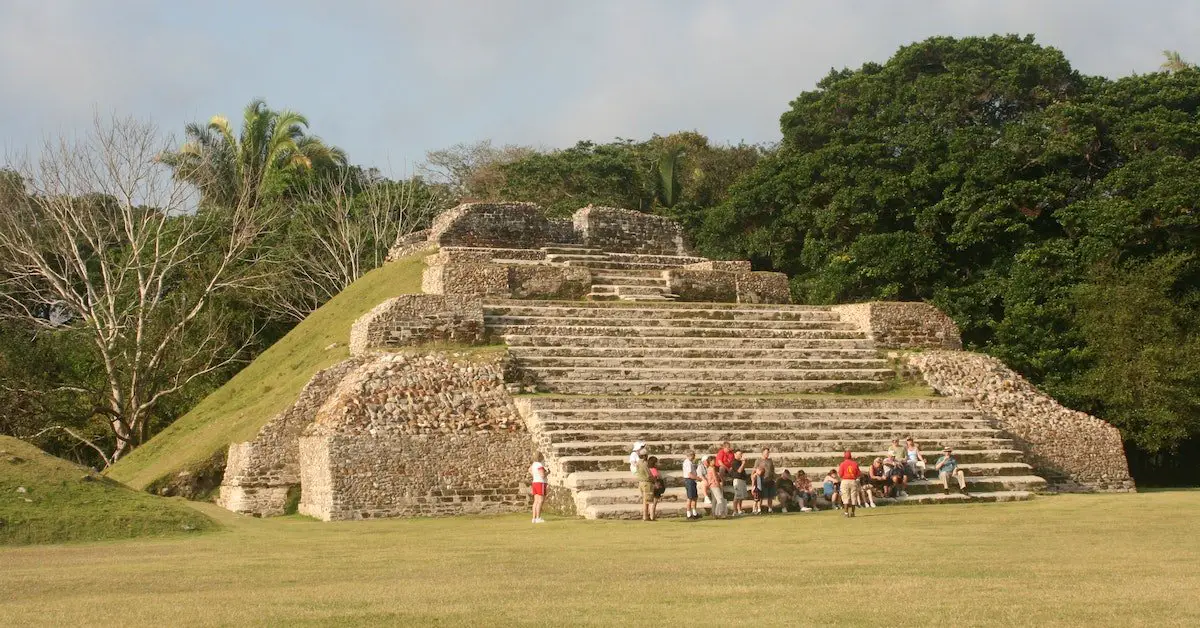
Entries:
{"x":576,"y":337}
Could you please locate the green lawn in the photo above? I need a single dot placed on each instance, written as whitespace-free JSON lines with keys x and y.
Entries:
{"x":1111,"y":560}
{"x":236,"y":411}
{"x":44,"y":499}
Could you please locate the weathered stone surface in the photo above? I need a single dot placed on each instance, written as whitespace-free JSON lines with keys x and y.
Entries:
{"x":1071,"y":449}
{"x":467,"y":279}
{"x":902,"y":325}
{"x":548,"y":282}
{"x":763,"y":287}
{"x":409,"y":244}
{"x":259,"y":473}
{"x":407,"y":435}
{"x":628,"y":231}
{"x":702,"y":285}
{"x":511,"y":225}
{"x":413,"y":319}
{"x":738,"y":266}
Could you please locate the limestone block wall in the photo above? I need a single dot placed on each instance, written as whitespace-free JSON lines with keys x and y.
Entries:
{"x":259,"y":473}
{"x":903,"y":325}
{"x":628,"y":231}
{"x":548,"y":282}
{"x":1071,"y":449}
{"x":513,"y":225}
{"x":413,"y":319}
{"x":695,"y":283}
{"x":523,"y":281}
{"x":409,"y":244}
{"x":406,"y":435}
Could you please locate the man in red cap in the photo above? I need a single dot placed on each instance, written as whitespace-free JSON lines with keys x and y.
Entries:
{"x":849,"y":472}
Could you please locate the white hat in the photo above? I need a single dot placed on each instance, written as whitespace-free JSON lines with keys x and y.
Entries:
{"x":639,"y":445}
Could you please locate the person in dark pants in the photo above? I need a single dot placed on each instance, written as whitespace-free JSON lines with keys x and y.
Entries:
{"x":691,"y":480}
{"x":765,"y":469}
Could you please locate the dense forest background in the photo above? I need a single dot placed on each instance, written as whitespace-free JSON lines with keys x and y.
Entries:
{"x":1053,"y":215}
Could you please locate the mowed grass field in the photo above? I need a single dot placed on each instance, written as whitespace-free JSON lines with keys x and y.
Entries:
{"x":1113,"y":560}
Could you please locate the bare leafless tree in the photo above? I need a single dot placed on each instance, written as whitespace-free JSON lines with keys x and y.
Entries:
{"x":106,"y":244}
{"x":338,"y":234}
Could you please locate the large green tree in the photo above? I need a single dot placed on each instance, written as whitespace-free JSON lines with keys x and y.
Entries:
{"x":988,"y":176}
{"x":272,"y":150}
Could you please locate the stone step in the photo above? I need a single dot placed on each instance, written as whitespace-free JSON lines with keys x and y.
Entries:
{"x":609,"y":264}
{"x":788,"y":444}
{"x":569,"y":249}
{"x":595,"y":480}
{"x":624,"y":280}
{"x":600,"y":373}
{"x":672,"y":260}
{"x":684,"y":342}
{"x":710,"y":311}
{"x":536,"y":362}
{"x":701,"y":353}
{"x":575,"y":406}
{"x":676,"y":509}
{"x":705,"y":387}
{"x":652,"y":331}
{"x":555,"y":258}
{"x":898,"y":426}
{"x":828,"y":459}
{"x":745,"y":438}
{"x":669,"y":323}
{"x":632,"y":495}
{"x":498,"y":302}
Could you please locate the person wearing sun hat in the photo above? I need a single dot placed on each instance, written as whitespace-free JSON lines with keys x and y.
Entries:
{"x":639,"y":449}
{"x":947,"y":467}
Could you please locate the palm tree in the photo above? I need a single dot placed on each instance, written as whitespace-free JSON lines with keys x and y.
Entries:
{"x":1174,"y":62}
{"x":243,"y":171}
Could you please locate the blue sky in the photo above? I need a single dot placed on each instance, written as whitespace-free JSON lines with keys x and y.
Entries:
{"x":388,"y":81}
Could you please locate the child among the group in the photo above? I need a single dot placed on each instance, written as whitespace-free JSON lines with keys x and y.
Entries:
{"x":756,"y":492}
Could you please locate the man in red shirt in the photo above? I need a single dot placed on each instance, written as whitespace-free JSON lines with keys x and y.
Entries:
{"x":725,"y":458}
{"x":849,"y":472}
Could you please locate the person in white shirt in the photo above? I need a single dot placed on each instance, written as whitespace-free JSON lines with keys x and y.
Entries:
{"x":639,"y":448}
{"x":538,"y":485}
{"x":690,"y":484}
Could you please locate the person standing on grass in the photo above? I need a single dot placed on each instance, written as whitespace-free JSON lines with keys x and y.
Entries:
{"x":538,"y":485}
{"x":739,"y":483}
{"x":947,"y":467}
{"x":645,"y":487}
{"x":766,"y":475}
{"x":849,"y":473}
{"x":715,"y":490}
{"x":660,"y":486}
{"x":690,"y":481}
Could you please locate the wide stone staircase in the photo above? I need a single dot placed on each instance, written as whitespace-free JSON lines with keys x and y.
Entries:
{"x":686,"y":376}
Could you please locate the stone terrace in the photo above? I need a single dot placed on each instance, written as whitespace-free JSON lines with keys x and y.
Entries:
{"x":705,"y":373}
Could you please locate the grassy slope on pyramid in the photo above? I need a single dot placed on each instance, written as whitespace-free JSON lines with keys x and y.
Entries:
{"x":236,"y":411}
{"x":44,"y":499}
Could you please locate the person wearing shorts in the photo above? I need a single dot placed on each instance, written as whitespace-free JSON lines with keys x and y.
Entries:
{"x":646,"y":487}
{"x":740,"y":489}
{"x":538,"y":485}
{"x":849,"y":473}
{"x":690,"y":480}
{"x":766,"y":477}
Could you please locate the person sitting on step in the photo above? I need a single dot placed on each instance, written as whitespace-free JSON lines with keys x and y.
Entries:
{"x":785,"y":491}
{"x":866,"y":494}
{"x":914,"y":462}
{"x":876,"y":478}
{"x":831,"y":488}
{"x":804,"y":492}
{"x":893,"y":469}
{"x":947,"y":467}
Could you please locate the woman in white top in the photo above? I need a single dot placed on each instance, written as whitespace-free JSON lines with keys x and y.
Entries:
{"x":538,"y":485}
{"x":635,"y":457}
{"x":913,"y":460}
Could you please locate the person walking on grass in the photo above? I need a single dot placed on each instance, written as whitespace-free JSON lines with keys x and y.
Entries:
{"x":765,"y":468}
{"x":691,"y":480}
{"x":715,"y":489}
{"x":645,"y":487}
{"x":849,"y":473}
{"x":538,"y":485}
{"x":947,"y":467}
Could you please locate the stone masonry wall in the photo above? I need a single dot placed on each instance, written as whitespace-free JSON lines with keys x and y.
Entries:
{"x":518,"y":281}
{"x":628,"y":231}
{"x":1072,"y":450}
{"x":903,"y":325}
{"x":695,"y":283}
{"x":512,"y":225}
{"x":259,"y":473}
{"x":407,"y":435}
{"x":413,"y":319}
{"x":409,"y":244}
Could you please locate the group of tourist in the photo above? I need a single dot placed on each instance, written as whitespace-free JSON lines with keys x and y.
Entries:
{"x":848,"y":486}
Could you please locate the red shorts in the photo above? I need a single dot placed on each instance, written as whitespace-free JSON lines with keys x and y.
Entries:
{"x":539,"y":488}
